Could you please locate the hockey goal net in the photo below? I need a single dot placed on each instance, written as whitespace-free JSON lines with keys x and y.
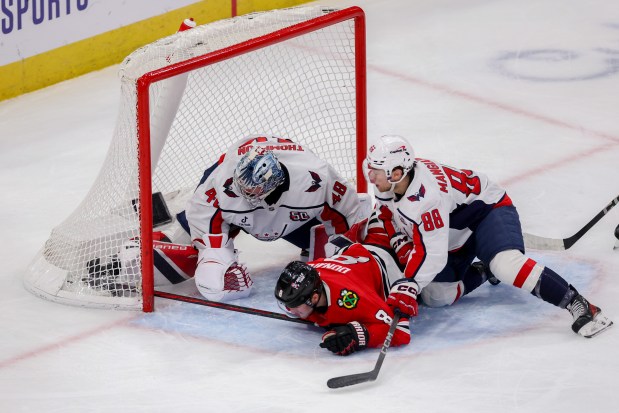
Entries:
{"x":298,"y":73}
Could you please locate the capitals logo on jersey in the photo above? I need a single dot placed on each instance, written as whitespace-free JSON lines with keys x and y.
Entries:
{"x":348,"y":299}
{"x":418,"y":195}
{"x":316,"y":180}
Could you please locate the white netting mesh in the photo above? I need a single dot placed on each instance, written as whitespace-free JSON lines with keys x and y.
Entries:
{"x":303,"y":89}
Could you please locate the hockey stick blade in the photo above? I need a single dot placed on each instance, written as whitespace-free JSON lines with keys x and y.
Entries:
{"x":555,"y":244}
{"x":343,"y":381}
{"x":352,"y":379}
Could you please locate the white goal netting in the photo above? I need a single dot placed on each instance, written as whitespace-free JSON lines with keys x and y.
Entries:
{"x":304,"y":88}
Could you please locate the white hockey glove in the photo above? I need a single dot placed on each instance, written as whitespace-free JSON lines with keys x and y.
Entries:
{"x":219,"y":276}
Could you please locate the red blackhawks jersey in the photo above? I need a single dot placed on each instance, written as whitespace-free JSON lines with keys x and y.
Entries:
{"x":439,"y":211}
{"x":355,"y":286}
{"x":315,"y":191}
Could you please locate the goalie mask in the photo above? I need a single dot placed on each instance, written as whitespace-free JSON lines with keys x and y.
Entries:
{"x":257,"y":174}
{"x":390,"y":152}
{"x":296,"y":285}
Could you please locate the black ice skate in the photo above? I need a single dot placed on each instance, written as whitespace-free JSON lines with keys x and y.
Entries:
{"x":105,"y":277}
{"x":588,"y":319}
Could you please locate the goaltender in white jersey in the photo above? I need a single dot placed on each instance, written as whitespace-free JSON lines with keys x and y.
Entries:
{"x":270,"y":188}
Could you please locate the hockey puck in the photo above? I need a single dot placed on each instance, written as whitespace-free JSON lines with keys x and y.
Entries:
{"x":617,"y":232}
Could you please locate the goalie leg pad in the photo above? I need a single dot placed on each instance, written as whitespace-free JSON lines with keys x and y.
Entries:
{"x":174,"y":263}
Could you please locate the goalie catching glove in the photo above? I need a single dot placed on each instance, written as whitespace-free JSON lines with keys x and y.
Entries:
{"x":218,"y":276}
{"x":403,"y":297}
{"x":346,"y":339}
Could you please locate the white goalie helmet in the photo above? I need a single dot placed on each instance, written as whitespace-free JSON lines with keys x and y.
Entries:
{"x":390,"y":152}
{"x":257,"y":174}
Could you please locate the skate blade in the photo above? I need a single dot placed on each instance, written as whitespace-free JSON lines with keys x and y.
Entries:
{"x":599,"y":324}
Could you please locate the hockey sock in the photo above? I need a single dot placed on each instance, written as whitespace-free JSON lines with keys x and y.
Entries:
{"x":552,"y":288}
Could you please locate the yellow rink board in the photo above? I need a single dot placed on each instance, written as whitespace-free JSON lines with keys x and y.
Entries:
{"x":112,"y":47}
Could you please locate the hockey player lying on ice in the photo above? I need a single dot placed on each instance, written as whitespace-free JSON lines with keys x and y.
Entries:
{"x":346,"y":294}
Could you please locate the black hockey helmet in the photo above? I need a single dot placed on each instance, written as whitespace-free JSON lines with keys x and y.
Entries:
{"x":296,"y":284}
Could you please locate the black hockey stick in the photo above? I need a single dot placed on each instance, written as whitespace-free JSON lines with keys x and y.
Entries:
{"x":231,"y":307}
{"x":542,"y":243}
{"x":343,"y":381}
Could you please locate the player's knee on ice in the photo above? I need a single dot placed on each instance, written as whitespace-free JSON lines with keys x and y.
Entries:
{"x":440,"y":294}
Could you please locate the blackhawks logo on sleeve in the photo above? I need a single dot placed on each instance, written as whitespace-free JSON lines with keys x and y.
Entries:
{"x":348,"y":299}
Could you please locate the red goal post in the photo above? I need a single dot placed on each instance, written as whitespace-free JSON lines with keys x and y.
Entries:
{"x":297,"y":73}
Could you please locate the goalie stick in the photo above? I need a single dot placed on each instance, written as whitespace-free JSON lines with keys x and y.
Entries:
{"x":231,"y":307}
{"x":553,"y":244}
{"x":343,"y":381}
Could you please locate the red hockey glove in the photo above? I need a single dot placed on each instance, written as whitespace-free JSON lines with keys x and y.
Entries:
{"x":402,"y":246}
{"x":403,"y":297}
{"x":346,"y":339}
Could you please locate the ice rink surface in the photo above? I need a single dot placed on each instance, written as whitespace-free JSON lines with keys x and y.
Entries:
{"x":526,"y":91}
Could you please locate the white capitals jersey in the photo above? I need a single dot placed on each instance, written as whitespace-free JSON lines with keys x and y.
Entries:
{"x":315,"y":191}
{"x":438,"y":213}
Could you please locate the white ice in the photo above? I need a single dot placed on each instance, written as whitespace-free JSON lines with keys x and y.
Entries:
{"x":526,"y":91}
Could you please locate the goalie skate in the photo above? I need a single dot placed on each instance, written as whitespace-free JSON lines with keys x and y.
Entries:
{"x":588,"y":318}
{"x":117,"y":274}
{"x":105,"y":277}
